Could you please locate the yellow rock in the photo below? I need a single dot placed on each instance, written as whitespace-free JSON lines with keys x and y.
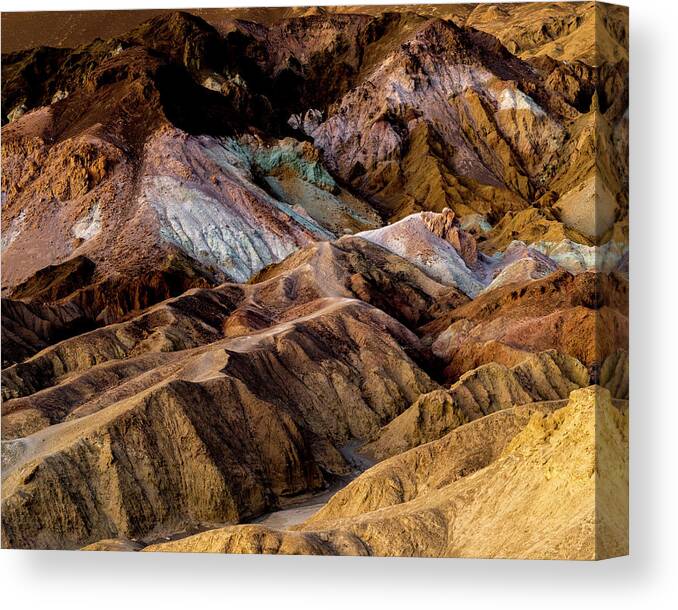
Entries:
{"x":556,"y":490}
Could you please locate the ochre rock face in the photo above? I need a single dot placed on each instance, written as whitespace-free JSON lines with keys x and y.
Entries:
{"x":168,"y":426}
{"x":454,"y":497}
{"x":489,"y":388}
{"x":339,"y":280}
{"x":444,"y":225}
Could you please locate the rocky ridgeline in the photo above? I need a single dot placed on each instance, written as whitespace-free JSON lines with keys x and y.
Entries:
{"x":453,"y":497}
{"x":234,"y":250}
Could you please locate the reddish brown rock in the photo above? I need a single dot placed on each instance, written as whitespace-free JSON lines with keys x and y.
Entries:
{"x":585,"y":316}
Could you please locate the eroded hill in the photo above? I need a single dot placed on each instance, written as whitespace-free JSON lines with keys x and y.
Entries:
{"x":359,"y":271}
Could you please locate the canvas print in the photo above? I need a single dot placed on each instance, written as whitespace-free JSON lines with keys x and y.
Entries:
{"x":317,"y":280}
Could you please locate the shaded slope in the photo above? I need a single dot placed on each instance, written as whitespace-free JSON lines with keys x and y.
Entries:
{"x":157,"y":460}
{"x":447,"y":498}
{"x":487,"y":389}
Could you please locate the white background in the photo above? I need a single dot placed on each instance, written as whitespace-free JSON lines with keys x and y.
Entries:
{"x":645,"y":580}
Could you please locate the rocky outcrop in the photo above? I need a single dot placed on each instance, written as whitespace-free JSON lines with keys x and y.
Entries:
{"x":614,"y":374}
{"x":562,"y":30}
{"x":482,"y":391}
{"x":431,"y":416}
{"x":519,"y":264}
{"x":44,"y":317}
{"x":242,"y":249}
{"x":584,"y":316}
{"x":439,"y":256}
{"x":539,"y":468}
{"x":191,"y":320}
{"x":172,"y":433}
{"x":355,"y":267}
{"x":531,"y":225}
{"x":29,"y":328}
{"x":400,"y":110}
{"x":349,"y":268}
{"x":447,"y":226}
{"x":115,"y":187}
{"x":577,"y":258}
{"x":56,"y":281}
{"x":585,"y":31}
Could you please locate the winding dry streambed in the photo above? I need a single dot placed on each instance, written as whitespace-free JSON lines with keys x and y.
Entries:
{"x":304,"y":507}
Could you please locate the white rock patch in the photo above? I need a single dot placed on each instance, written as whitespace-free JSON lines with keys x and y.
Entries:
{"x":10,"y":233}
{"x":515,"y":99}
{"x":89,"y":225}
{"x":411,"y":239}
{"x":209,"y":231}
